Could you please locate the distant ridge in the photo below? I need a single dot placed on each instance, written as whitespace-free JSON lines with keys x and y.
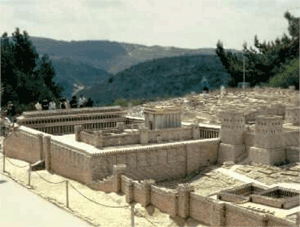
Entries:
{"x":173,"y":76}
{"x":91,"y":63}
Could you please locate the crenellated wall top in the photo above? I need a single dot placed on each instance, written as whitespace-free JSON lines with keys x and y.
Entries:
{"x":148,"y":148}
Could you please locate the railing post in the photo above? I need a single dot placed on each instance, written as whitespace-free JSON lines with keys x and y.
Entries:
{"x":132,"y":215}
{"x":67,"y":194}
{"x":3,"y":170}
{"x":29,"y":174}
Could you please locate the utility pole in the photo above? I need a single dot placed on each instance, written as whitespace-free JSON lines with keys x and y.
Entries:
{"x":244,"y":85}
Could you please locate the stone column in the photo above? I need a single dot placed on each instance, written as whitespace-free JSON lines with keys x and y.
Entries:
{"x":78,"y":129}
{"x":47,"y":152}
{"x":144,"y":139}
{"x":118,"y":170}
{"x":147,"y":192}
{"x":184,"y":200}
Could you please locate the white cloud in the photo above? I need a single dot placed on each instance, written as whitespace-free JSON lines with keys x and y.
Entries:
{"x":190,"y":24}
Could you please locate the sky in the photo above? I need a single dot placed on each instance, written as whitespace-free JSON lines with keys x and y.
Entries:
{"x":179,"y":23}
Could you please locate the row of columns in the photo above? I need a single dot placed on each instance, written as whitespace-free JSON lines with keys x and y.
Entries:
{"x":68,"y":129}
{"x":208,"y":133}
{"x":168,"y":120}
{"x":70,"y":119}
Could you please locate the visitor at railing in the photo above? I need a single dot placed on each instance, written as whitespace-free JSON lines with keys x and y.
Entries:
{"x":52,"y":105}
{"x":38,"y":106}
{"x":45,"y":104}
{"x":73,"y":102}
{"x":63,"y":104}
{"x":11,"y":111}
{"x":82,"y":102}
{"x":89,"y":103}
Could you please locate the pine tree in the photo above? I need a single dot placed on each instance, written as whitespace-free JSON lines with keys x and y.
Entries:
{"x":26,"y":78}
{"x":265,"y":60}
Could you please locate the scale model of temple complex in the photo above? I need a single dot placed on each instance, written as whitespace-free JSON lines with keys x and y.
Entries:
{"x":90,"y":145}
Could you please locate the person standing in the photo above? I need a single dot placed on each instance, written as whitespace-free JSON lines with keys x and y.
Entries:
{"x":73,"y":102}
{"x":62,"y":104}
{"x":45,"y":104}
{"x":89,"y":103}
{"x":52,"y":105}
{"x":82,"y":101}
{"x":11,"y":111}
{"x":38,"y":106}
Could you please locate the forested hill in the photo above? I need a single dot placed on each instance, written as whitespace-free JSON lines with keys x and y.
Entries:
{"x":112,"y":57}
{"x":173,"y":76}
{"x":71,"y":74}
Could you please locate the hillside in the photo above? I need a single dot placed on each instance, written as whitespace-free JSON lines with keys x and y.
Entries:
{"x":173,"y":76}
{"x":110,"y":56}
{"x":70,"y":74}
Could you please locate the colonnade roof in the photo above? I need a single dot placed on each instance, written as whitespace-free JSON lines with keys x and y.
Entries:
{"x":87,"y":110}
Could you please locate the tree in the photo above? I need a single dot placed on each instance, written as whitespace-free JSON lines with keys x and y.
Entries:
{"x":26,"y":78}
{"x":288,"y":75}
{"x":265,"y":60}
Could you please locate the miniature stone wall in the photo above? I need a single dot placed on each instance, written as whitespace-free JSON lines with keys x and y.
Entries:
{"x":69,"y":161}
{"x":293,"y":154}
{"x":122,"y":139}
{"x":278,"y":197}
{"x":165,"y":200}
{"x":201,"y":208}
{"x":292,"y":138}
{"x":157,"y":162}
{"x":238,"y":216}
{"x":182,"y":202}
{"x":145,"y":136}
{"x":25,"y":144}
{"x":86,"y":137}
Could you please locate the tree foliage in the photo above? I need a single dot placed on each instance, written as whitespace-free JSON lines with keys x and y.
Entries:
{"x":26,"y":78}
{"x":288,"y":75}
{"x":265,"y":60}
